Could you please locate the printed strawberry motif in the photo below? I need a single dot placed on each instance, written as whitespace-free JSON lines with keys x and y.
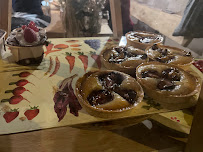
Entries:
{"x":10,"y":116}
{"x":31,"y":113}
{"x":29,"y":35}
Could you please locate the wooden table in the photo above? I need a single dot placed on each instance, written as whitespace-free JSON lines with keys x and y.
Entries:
{"x":113,"y":135}
{"x":136,"y":138}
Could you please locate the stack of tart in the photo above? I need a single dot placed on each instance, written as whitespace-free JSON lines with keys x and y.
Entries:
{"x":143,"y":63}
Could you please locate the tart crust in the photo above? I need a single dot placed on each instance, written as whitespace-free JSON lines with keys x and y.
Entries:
{"x":180,"y":59}
{"x":184,"y":95}
{"x":128,"y":65}
{"x":147,"y":39}
{"x":118,"y":107}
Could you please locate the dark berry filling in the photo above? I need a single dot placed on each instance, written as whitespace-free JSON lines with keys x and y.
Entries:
{"x":168,"y":76}
{"x":99,"y":97}
{"x":165,"y":59}
{"x":165,"y":85}
{"x":129,"y":95}
{"x":143,"y":38}
{"x":123,"y":54}
{"x":151,"y":74}
{"x":111,"y":80}
{"x":155,"y":47}
{"x":143,"y":56}
{"x":164,"y":52}
{"x":171,"y":74}
{"x":120,"y":49}
{"x":120,"y":56}
{"x":188,"y":54}
{"x":138,"y":36}
{"x":165,"y":56}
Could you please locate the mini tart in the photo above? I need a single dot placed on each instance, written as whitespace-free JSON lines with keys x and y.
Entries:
{"x":108,"y":94}
{"x":142,"y":39}
{"x":168,"y":85}
{"x":124,"y":59}
{"x":170,"y":55}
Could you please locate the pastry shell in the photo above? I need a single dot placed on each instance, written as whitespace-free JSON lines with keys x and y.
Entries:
{"x":128,"y":67}
{"x":89,"y":82}
{"x":184,"y":97}
{"x":181,"y":61}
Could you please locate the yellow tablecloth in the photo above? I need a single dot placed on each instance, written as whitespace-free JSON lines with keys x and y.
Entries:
{"x":44,"y":82}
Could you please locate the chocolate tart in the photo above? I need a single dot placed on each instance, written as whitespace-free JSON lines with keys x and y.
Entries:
{"x":170,"y":55}
{"x":168,"y":85}
{"x":108,"y":94}
{"x":143,"y":39}
{"x":123,"y":58}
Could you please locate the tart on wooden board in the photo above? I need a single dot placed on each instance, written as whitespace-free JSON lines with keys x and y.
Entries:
{"x":168,"y":85}
{"x":123,"y":58}
{"x":108,"y":94}
{"x":143,"y":39}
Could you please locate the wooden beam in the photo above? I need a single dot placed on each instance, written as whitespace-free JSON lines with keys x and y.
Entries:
{"x":116,"y":18}
{"x":196,"y":134}
{"x":5,"y":15}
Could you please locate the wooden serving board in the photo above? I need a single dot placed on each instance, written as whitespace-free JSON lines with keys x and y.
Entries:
{"x":42,"y":88}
